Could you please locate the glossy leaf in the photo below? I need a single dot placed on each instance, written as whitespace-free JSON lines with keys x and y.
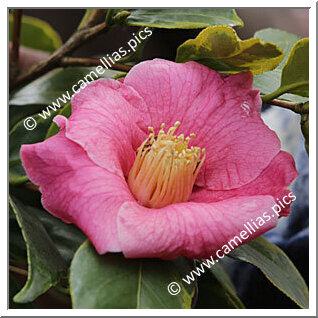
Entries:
{"x":17,"y":247}
{"x":215,"y":292}
{"x":46,"y":266}
{"x":112,"y":281}
{"x":283,"y":39}
{"x":270,"y":81}
{"x":36,"y":34}
{"x":66,"y":237}
{"x":304,"y":124}
{"x":18,"y":136}
{"x":276,"y":266}
{"x":225,"y":281}
{"x":14,"y":287}
{"x":221,"y":49}
{"x":16,"y":113}
{"x":295,"y":73}
{"x":54,"y":84}
{"x":183,"y":18}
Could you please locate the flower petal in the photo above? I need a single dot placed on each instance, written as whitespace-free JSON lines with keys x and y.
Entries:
{"x":194,"y":230}
{"x":76,"y":190}
{"x":272,"y":181}
{"x":105,"y":122}
{"x":223,"y":112}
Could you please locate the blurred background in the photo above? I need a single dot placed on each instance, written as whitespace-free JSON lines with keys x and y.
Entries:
{"x":163,"y":43}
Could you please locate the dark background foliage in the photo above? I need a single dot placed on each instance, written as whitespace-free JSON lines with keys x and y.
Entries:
{"x":164,"y":42}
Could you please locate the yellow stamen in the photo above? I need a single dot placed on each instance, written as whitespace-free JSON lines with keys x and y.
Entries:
{"x":165,"y":168}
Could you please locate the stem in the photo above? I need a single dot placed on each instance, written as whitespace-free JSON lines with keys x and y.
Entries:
{"x":80,"y":61}
{"x":109,"y":15}
{"x":76,"y":40}
{"x":91,"y":17}
{"x":31,"y":186}
{"x":284,"y":104}
{"x":18,"y":270}
{"x":14,"y":56}
{"x":282,"y":90}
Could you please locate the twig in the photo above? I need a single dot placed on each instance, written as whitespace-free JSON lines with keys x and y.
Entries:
{"x":91,"y":17}
{"x":76,"y":40}
{"x":80,"y":61}
{"x":31,"y":186}
{"x":14,"y":55}
{"x":299,"y":108}
{"x":283,"y":104}
{"x":18,"y":270}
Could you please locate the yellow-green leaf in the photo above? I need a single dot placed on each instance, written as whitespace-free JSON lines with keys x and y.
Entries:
{"x":220,"y":48}
{"x":268,"y":82}
{"x":296,"y":69}
{"x":36,"y":34}
{"x":295,"y":74}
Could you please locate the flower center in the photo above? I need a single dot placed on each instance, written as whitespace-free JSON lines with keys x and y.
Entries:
{"x":165,"y":168}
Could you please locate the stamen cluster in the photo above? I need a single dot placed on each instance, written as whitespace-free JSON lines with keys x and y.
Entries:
{"x":165,"y":168}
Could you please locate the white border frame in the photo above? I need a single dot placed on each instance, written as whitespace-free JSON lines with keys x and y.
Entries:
{"x":164,"y":312}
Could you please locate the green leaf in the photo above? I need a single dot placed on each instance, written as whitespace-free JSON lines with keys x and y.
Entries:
{"x":46,"y":266}
{"x":304,"y":124}
{"x":216,"y":292}
{"x":183,"y":18}
{"x":281,"y":38}
{"x":220,"y":48}
{"x":36,"y":34}
{"x":112,"y":281}
{"x":268,"y":82}
{"x":66,"y":237}
{"x":14,"y":287}
{"x":17,"y":247}
{"x":18,"y":136}
{"x":16,"y":113}
{"x":225,"y":281}
{"x":295,"y":73}
{"x":54,"y":84}
{"x":276,"y":266}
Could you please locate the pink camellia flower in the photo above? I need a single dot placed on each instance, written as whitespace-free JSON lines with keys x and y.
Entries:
{"x":124,"y":170}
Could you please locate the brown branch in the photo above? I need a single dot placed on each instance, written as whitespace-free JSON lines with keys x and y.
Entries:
{"x":18,"y":270}
{"x":14,"y":54}
{"x":295,"y":107}
{"x":283,"y":104}
{"x":79,"y":61}
{"x":77,"y":39}
{"x":93,"y":19}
